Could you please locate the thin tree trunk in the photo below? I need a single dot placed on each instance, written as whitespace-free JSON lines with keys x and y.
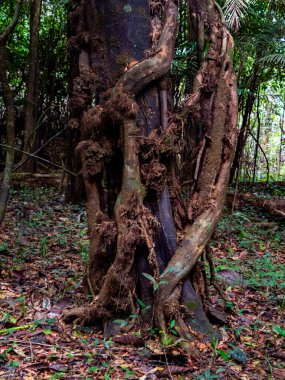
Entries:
{"x":32,"y":85}
{"x":243,"y":133}
{"x":264,"y":155}
{"x":257,"y":137}
{"x":10,"y":114}
{"x":282,"y":135}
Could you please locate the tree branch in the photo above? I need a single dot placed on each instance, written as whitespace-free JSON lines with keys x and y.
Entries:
{"x":5,"y":35}
{"x":38,"y":158}
{"x":153,"y":68}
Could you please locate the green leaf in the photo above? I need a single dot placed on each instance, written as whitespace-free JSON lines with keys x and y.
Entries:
{"x":167,"y":339}
{"x":278,"y":330}
{"x":121,"y":322}
{"x":241,"y":215}
{"x":13,"y":319}
{"x":172,"y":323}
{"x":141,"y":303}
{"x":155,"y":286}
{"x":47,"y":331}
{"x":224,"y":355}
{"x":11,"y":329}
{"x":93,"y":369}
{"x":3,"y":247}
{"x":149,"y":277}
{"x":13,"y":364}
{"x":168,"y":270}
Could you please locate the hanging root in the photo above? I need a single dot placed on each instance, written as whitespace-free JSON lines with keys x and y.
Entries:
{"x":135,"y":225}
{"x":216,"y":109}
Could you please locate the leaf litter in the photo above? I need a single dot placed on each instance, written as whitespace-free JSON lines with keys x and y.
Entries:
{"x":43,"y":255}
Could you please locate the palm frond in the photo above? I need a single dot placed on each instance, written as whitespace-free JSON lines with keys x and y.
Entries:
{"x":277,"y":6}
{"x":274,"y":59}
{"x":234,"y":10}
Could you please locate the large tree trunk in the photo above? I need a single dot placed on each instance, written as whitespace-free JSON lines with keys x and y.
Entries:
{"x":131,"y":145}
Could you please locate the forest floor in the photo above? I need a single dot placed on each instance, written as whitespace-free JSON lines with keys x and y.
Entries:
{"x":43,"y":253}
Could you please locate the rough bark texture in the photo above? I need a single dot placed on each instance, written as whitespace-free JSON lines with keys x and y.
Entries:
{"x":130,"y":149}
{"x":10,"y":115}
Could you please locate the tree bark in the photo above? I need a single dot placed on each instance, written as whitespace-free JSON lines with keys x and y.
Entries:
{"x":32,"y":86}
{"x":118,"y":104}
{"x":244,"y":129}
{"x":257,"y":138}
{"x":8,"y":99}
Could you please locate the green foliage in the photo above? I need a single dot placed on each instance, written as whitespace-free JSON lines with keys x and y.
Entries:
{"x":121,"y":322}
{"x":84,"y":251}
{"x":216,"y":351}
{"x":208,"y":375}
{"x":43,"y":246}
{"x":167,"y":339}
{"x":155,"y":283}
{"x":160,"y":281}
{"x":259,"y":60}
{"x":278,"y":330}
{"x":3,"y":247}
{"x":260,"y":270}
{"x":274,"y":59}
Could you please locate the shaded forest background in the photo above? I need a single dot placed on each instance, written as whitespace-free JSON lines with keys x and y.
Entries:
{"x":38,"y":76}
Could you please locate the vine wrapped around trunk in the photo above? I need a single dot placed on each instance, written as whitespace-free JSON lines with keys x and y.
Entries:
{"x":130,"y":151}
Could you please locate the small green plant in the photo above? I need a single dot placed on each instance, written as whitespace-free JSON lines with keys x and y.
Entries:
{"x":124,"y":322}
{"x":214,"y":344}
{"x":62,"y":240}
{"x":143,"y":306}
{"x":108,"y":343}
{"x":84,"y":251}
{"x":109,"y":370}
{"x":3,"y":247}
{"x":278,"y":330}
{"x":121,"y":322}
{"x":167,"y":339}
{"x":58,"y":375}
{"x":13,"y":364}
{"x":172,"y":327}
{"x":153,"y":331}
{"x":207,"y":375}
{"x":160,"y":280}
{"x":216,"y":351}
{"x":241,"y":215}
{"x":43,"y":246}
{"x":7,"y":317}
{"x":4,"y":355}
{"x":94,"y":368}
